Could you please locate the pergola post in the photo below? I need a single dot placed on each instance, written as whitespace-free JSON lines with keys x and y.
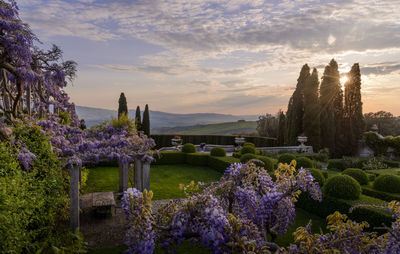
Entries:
{"x":146,"y":176}
{"x":74,"y":197}
{"x":123,"y":176}
{"x":138,"y":182}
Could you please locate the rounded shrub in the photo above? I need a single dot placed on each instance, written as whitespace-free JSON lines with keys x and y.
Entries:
{"x":218,"y":151}
{"x":318,"y":176}
{"x":248,"y":149}
{"x":249,"y":144}
{"x":286,"y":158}
{"x":268,"y":162}
{"x":371,"y":177}
{"x":387,"y":183}
{"x":303,"y":162}
{"x":246,"y":157}
{"x":357,"y":174}
{"x":189,"y":148}
{"x":342,"y":186}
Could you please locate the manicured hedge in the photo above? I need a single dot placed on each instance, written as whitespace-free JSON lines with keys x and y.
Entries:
{"x":189,"y":148}
{"x":358,"y":174}
{"x":342,"y":186}
{"x":221,"y":163}
{"x":286,"y":158}
{"x":367,"y":190}
{"x":249,"y":144}
{"x":392,"y":164}
{"x":248,"y":149}
{"x":330,"y":204}
{"x":246,"y":157}
{"x":164,"y":140}
{"x":170,"y":157}
{"x":218,"y":151}
{"x":318,"y":176}
{"x":387,"y":183}
{"x":304,"y":162}
{"x":198,"y":159}
{"x":337,"y":164}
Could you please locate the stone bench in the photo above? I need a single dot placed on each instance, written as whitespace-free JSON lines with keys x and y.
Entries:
{"x":100,"y":202}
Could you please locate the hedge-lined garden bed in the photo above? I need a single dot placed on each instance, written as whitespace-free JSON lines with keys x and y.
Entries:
{"x":164,"y":140}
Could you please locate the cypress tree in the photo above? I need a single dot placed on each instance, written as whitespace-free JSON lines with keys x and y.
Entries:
{"x":296,"y":107}
{"x":122,"y":105}
{"x":311,"y":120}
{"x":146,"y":121}
{"x":354,"y":119}
{"x":331,"y":104}
{"x":138,"y":120}
{"x":281,"y":128}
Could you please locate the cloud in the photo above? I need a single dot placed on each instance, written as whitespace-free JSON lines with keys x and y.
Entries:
{"x":380,"y":68}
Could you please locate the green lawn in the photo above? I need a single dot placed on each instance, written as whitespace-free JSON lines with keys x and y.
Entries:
{"x":393,"y":171}
{"x":164,"y":179}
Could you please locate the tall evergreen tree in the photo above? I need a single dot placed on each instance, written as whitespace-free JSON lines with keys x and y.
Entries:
{"x":296,"y":107}
{"x":331,"y":104}
{"x":146,"y":121}
{"x":138,"y":119}
{"x":281,"y":128}
{"x":122,"y":105}
{"x":354,"y":119}
{"x":311,"y":117}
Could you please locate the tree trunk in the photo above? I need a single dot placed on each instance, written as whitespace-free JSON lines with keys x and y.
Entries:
{"x":28,"y":100}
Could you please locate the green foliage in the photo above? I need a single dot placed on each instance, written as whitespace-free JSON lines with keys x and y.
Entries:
{"x":249,"y":144}
{"x":189,"y":148}
{"x":325,"y":174}
{"x":392,"y":164}
{"x":164,"y":140}
{"x":138,"y":119}
{"x":267,"y":126}
{"x":169,"y":157}
{"x":198,"y":159}
{"x":388,"y":124}
{"x":65,"y":118}
{"x":367,"y":190}
{"x":354,"y":119}
{"x":221,"y":163}
{"x":282,"y":131}
{"x":268,"y":163}
{"x":218,"y":151}
{"x":377,"y":144}
{"x":122,"y":105}
{"x":32,"y":203}
{"x":237,"y":154}
{"x":374,"y":163}
{"x":387,"y":183}
{"x":286,"y":158}
{"x":311,"y":121}
{"x":357,"y":174}
{"x":337,"y":164}
{"x":295,"y":110}
{"x":122,"y":121}
{"x":248,"y":149}
{"x":146,"y":121}
{"x":331,"y":97}
{"x":318,"y":175}
{"x":303,"y":162}
{"x":371,"y":177}
{"x":246,"y":157}
{"x":342,"y":186}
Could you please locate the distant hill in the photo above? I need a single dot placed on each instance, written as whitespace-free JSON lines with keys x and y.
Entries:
{"x":160,"y":119}
{"x":218,"y":128}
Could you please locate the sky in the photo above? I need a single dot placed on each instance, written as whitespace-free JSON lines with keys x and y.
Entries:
{"x":235,"y":57}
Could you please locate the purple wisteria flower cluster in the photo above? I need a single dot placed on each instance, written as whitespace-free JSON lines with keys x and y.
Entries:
{"x":239,"y":213}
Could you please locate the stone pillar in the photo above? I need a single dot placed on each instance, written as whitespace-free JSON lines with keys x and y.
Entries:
{"x":138,"y":182}
{"x":74,"y":197}
{"x":146,"y":176}
{"x":123,"y":176}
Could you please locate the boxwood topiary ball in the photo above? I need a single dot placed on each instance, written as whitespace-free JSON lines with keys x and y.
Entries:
{"x":318,"y":176}
{"x":387,"y":183}
{"x":286,"y":158}
{"x":249,"y":144}
{"x":342,"y":186}
{"x":304,"y":162}
{"x":248,"y":149}
{"x":189,"y":148}
{"x":268,"y":163}
{"x":218,"y":151}
{"x":246,"y":157}
{"x":357,"y":174}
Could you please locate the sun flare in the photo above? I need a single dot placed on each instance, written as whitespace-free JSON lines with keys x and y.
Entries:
{"x":343,"y":80}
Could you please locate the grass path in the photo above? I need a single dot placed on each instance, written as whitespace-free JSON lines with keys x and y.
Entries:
{"x":164,"y":179}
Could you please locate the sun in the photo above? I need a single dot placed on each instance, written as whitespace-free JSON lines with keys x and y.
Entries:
{"x":343,"y":80}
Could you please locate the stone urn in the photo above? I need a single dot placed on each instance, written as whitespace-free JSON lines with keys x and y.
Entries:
{"x":239,"y":141}
{"x":176,"y":141}
{"x":302,"y":140}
